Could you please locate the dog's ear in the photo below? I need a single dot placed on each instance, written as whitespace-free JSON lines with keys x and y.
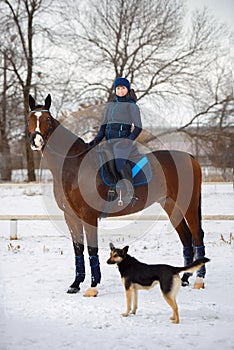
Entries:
{"x":112,"y":246}
{"x":125,"y":250}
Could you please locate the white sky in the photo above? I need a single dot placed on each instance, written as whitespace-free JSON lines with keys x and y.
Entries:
{"x":223,"y":10}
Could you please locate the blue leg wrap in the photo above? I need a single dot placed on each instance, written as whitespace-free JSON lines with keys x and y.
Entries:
{"x":188,"y":255}
{"x":80,"y":268}
{"x":188,"y":259}
{"x":200,"y":253}
{"x":95,"y":270}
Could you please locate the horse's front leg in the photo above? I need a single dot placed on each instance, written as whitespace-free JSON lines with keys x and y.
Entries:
{"x":76,"y":229}
{"x":92,"y":242}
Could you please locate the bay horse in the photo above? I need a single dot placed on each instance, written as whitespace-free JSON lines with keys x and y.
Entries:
{"x":80,"y":192}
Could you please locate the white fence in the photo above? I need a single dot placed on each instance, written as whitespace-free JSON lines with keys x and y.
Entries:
{"x":15,"y":218}
{"x":18,"y":200}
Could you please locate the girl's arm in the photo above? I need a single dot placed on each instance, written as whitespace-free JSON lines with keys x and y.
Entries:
{"x":136,"y":120}
{"x":101,"y":133}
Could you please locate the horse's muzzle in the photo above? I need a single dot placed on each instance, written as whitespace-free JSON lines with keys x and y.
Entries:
{"x":37,"y":141}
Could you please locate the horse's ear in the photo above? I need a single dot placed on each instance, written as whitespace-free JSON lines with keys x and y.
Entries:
{"x":48,"y":102}
{"x":31,"y":102}
{"x":112,"y":246}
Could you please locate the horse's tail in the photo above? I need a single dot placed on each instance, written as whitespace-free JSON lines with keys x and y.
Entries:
{"x":199,"y":210}
{"x":199,"y":175}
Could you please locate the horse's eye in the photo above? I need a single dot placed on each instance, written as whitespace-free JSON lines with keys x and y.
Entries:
{"x":48,"y":119}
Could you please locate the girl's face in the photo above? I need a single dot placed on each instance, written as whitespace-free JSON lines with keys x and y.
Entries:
{"x":121,"y":91}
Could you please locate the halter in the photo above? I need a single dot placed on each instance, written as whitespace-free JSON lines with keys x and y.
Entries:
{"x":44,"y":137}
{"x":40,"y":110}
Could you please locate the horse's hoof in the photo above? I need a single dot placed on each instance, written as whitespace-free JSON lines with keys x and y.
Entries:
{"x":91,"y":292}
{"x":199,"y":283}
{"x":73,"y":290}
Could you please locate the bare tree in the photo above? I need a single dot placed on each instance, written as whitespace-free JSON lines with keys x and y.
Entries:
{"x":214,"y":136}
{"x":5,"y":168}
{"x":211,"y":127}
{"x":150,"y":42}
{"x":166,"y":57}
{"x":18,"y":31}
{"x":143,"y":40}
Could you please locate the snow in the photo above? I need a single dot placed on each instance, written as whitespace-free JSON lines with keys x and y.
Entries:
{"x":36,"y":313}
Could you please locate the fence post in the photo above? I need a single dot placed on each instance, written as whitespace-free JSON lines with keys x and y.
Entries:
{"x":13,"y":229}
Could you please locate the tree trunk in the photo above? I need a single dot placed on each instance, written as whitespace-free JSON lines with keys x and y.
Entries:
{"x":29,"y":153}
{"x":30,"y":162}
{"x":5,"y":168}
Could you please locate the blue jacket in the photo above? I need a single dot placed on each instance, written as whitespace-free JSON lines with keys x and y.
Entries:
{"x":118,"y":119}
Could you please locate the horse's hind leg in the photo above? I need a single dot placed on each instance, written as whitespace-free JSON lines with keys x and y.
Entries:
{"x":180,"y":225}
{"x":76,"y":229}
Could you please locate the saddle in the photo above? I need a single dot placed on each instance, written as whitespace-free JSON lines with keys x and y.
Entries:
{"x":141,"y":173}
{"x":107,"y":167}
{"x":141,"y":168}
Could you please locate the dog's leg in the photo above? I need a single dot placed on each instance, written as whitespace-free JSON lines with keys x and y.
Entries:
{"x":171,"y":298}
{"x":129,"y":293}
{"x":172,"y":302}
{"x":135,"y":300}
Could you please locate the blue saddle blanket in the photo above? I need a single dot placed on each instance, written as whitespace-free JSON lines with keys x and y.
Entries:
{"x":141,"y":171}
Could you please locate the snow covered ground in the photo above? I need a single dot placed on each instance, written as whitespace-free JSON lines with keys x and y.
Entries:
{"x":36,"y":313}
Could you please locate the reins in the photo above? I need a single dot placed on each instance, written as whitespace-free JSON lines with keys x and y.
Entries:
{"x":69,"y":157}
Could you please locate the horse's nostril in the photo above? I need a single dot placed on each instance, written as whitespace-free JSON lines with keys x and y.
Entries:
{"x":36,"y":140}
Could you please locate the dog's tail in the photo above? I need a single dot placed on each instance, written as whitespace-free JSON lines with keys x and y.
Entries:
{"x":194,"y":266}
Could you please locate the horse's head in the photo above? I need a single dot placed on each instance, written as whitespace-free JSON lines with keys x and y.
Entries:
{"x":39,"y":123}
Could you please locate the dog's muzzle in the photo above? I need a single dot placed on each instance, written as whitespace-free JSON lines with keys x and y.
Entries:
{"x":110,"y":261}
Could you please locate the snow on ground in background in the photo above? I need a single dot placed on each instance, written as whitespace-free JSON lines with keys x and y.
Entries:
{"x":218,"y":198}
{"x":38,"y":314}
{"x":38,"y":199}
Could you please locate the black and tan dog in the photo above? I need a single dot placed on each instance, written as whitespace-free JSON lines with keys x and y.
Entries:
{"x":136,"y":275}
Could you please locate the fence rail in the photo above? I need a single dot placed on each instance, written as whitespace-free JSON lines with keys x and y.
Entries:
{"x":15,"y":218}
{"x":43,"y":217}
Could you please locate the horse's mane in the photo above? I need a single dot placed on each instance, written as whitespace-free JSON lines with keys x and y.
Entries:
{"x":79,"y":139}
{"x":57,"y":123}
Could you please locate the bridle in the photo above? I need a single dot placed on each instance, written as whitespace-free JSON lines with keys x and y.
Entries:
{"x":34,"y":133}
{"x":48,"y":132}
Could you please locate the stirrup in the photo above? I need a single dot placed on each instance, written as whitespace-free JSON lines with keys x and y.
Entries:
{"x":120,"y":201}
{"x":111,"y":195}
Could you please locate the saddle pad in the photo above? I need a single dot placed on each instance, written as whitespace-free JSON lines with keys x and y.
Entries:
{"x":141,"y":171}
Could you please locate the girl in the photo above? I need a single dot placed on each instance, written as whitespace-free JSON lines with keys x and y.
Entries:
{"x":121,"y":125}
